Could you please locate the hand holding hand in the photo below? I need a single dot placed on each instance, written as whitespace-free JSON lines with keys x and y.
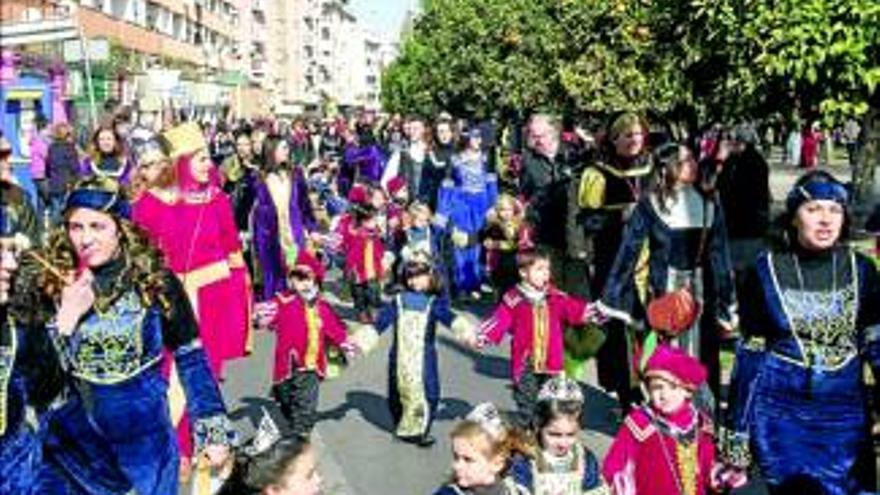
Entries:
{"x":351,"y":350}
{"x":264,"y":313}
{"x":217,"y":455}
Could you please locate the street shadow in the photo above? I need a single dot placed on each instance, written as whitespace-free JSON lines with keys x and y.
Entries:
{"x":601,"y":412}
{"x":247,"y":417}
{"x":372,"y":407}
{"x":484,"y":364}
{"x":452,"y":409}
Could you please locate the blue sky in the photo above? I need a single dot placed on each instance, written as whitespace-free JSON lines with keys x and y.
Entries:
{"x":383,"y":16}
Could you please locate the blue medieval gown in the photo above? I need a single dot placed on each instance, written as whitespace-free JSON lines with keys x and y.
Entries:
{"x":690,"y":227}
{"x":112,"y":433}
{"x":28,"y":373}
{"x":413,"y":370}
{"x":811,"y":321}
{"x":461,"y":207}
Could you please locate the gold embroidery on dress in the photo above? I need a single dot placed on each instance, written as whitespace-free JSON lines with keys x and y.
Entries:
{"x":688,"y":468}
{"x":410,"y":340}
{"x":313,"y":324}
{"x":541,"y":323}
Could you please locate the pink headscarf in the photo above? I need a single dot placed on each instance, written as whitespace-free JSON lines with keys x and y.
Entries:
{"x":187,"y":184}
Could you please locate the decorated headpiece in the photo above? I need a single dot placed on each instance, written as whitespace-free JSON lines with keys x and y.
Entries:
{"x":267,"y":435}
{"x":150,"y":150}
{"x":673,"y":365}
{"x":561,"y":389}
{"x":101,"y":194}
{"x":819,"y":186}
{"x":396,"y":184}
{"x":307,"y":262}
{"x":486,"y":415}
{"x":185,"y":139}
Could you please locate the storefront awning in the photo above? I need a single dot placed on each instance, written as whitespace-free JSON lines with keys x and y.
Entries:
{"x":24,"y":94}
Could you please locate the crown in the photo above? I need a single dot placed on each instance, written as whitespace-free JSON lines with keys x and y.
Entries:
{"x":562,"y":389}
{"x":487,"y":416}
{"x":267,"y":435}
{"x":185,"y":139}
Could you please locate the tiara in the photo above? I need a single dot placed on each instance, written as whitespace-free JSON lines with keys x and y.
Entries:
{"x":560,"y":388}
{"x":486,"y":415}
{"x":267,"y":435}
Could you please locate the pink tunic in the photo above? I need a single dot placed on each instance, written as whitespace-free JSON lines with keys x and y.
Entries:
{"x":201,"y":246}
{"x":645,"y":459}
{"x":533,"y":324}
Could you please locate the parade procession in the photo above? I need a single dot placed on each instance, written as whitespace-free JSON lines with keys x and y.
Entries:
{"x":451,"y":247}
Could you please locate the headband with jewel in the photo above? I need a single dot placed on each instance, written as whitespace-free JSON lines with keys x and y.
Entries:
{"x":267,"y":435}
{"x":562,"y":389}
{"x":486,"y":415}
{"x":99,"y":194}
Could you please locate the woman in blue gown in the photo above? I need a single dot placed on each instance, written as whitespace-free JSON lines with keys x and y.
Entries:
{"x":811,"y":321}
{"x":113,"y":311}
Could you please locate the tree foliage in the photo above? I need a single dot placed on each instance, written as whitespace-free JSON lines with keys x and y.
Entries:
{"x":717,"y":58}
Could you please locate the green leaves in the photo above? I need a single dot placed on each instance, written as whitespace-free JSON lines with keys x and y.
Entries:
{"x":730,"y":58}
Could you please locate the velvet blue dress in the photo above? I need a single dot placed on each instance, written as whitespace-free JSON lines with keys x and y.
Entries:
{"x":810,"y":323}
{"x":461,"y":207}
{"x":112,"y":432}
{"x":28,"y":373}
{"x":413,"y":367}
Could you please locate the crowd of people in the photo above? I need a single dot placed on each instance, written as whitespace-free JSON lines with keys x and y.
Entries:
{"x":133,"y":273}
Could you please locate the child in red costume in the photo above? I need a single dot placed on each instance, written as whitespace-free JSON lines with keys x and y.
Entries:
{"x":303,"y":322}
{"x":365,"y":262}
{"x":535,"y":313}
{"x":668,"y":446}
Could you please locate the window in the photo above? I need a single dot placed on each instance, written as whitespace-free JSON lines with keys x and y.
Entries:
{"x":325,"y":33}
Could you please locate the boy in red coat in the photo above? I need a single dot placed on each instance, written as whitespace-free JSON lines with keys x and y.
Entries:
{"x":304,"y":322}
{"x":535,"y":313}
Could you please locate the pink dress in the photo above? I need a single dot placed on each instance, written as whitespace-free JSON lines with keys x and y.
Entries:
{"x":200,"y":242}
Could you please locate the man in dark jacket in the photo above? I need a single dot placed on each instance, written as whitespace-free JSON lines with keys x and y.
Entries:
{"x":743,"y":184}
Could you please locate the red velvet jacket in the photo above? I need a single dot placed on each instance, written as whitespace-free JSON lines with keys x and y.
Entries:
{"x":292,"y":343}
{"x":517,"y":314}
{"x":357,"y":258}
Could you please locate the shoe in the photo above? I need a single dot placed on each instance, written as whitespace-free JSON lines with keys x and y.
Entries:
{"x":486,"y":289}
{"x":426,"y":440}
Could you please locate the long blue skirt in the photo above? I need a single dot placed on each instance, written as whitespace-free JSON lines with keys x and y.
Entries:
{"x":809,"y":424}
{"x":112,"y":440}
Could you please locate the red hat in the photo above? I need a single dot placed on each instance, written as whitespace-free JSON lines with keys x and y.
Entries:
{"x":305,"y":261}
{"x":357,"y":194}
{"x":396,"y":184}
{"x":671,"y":364}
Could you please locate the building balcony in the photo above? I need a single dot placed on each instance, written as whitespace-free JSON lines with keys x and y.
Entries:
{"x":25,"y":22}
{"x":97,"y":24}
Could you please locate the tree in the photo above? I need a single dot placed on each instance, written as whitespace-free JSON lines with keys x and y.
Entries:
{"x":819,"y":56}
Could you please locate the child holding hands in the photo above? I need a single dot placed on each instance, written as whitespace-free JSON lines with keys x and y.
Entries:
{"x":304,"y":322}
{"x":535,"y":313}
